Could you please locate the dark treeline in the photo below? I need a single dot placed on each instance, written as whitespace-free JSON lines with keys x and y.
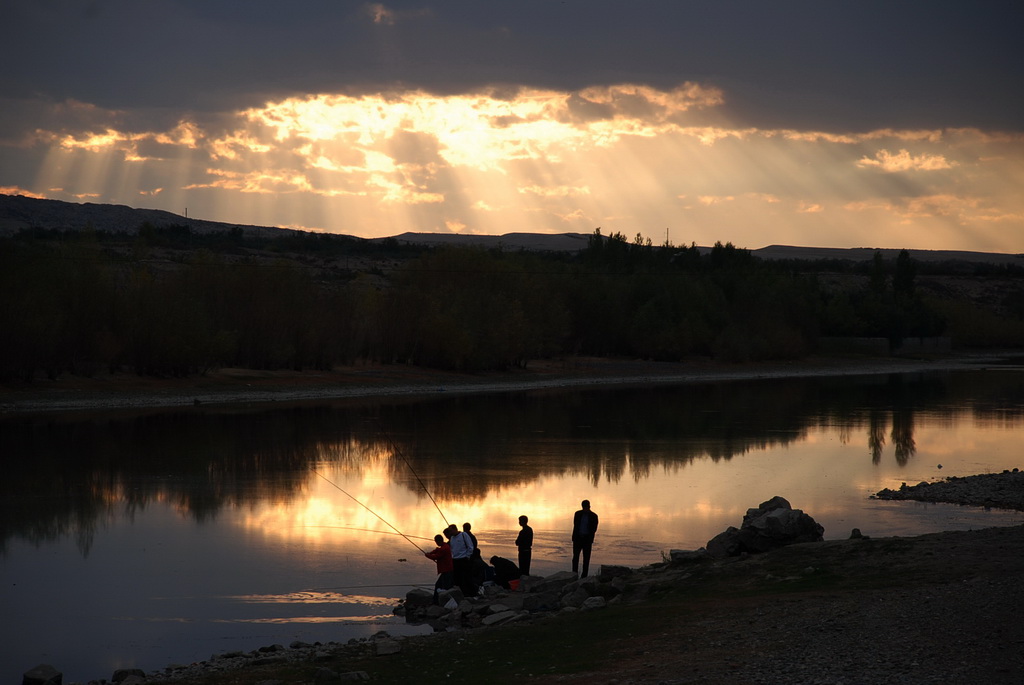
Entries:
{"x":169,"y":302}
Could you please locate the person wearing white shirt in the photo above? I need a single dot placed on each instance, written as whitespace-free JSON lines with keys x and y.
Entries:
{"x":462,"y":548}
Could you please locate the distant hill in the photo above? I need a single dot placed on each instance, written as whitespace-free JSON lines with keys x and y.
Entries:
{"x":860,"y":254}
{"x":18,"y":212}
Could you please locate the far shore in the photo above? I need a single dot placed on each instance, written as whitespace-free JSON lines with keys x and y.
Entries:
{"x":369,"y":381}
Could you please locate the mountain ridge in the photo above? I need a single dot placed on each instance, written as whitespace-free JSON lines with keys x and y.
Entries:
{"x":19,"y":212}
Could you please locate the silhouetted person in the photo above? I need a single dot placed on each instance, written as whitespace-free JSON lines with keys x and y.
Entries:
{"x":442,"y":557}
{"x":524,"y":542}
{"x":462,"y":550}
{"x":584,"y":527}
{"x":467,"y":529}
{"x":481,"y":572}
{"x":504,"y":571}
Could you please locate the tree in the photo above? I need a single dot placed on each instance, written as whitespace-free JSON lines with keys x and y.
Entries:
{"x":906,"y":272}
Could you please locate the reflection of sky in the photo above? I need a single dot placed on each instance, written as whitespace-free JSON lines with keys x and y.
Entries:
{"x":828,"y":473}
{"x":162,"y":589}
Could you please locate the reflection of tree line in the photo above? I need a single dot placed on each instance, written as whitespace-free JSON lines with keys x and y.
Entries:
{"x":65,"y":477}
{"x":902,"y":435}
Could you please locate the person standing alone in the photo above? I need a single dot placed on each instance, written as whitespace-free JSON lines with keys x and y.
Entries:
{"x":524,"y":542}
{"x":584,"y":527}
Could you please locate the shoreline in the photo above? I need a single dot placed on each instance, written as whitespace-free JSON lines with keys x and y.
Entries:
{"x":226,"y":387}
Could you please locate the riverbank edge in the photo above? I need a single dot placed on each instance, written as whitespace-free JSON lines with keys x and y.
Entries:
{"x":377,"y":381}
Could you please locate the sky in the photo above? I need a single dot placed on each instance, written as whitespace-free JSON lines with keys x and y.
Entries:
{"x":826,"y":123}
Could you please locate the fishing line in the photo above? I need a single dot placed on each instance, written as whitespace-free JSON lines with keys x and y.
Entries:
{"x":364,"y":587}
{"x":420,"y":480}
{"x":369,"y":510}
{"x":371,"y":530}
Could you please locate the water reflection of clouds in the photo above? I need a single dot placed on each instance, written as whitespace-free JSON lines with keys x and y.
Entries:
{"x":827,"y":472}
{"x":342,"y":620}
{"x":322,"y":515}
{"x":950,"y":442}
{"x":313,"y":597}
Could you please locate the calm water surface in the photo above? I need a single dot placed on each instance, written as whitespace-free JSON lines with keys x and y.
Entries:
{"x":168,"y":537}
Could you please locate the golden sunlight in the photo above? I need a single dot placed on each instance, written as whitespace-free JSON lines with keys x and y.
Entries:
{"x":628,"y":158}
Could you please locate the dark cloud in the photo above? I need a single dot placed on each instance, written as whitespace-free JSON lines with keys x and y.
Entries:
{"x":419,"y":149}
{"x":816,"y":64}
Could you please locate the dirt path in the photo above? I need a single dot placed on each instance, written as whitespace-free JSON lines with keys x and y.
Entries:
{"x":233,"y":386}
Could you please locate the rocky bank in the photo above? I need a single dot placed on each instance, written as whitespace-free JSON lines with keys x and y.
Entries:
{"x":997,"y":490}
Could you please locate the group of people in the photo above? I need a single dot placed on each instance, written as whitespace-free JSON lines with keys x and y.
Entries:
{"x":460,"y":563}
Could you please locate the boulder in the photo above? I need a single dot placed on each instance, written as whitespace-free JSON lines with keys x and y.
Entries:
{"x":123,"y":674}
{"x":326,"y":675}
{"x":608,"y":572}
{"x":773,"y":524}
{"x":541,"y":601}
{"x":418,"y":597}
{"x":576,"y":598}
{"x":613,"y":589}
{"x":496,"y":619}
{"x":594,"y":603}
{"x":453,"y":595}
{"x":386,"y":647}
{"x":433,"y":611}
{"x":43,"y":674}
{"x":725,"y":544}
{"x":554,"y":582}
{"x":514,"y":600}
{"x":686,"y":556}
{"x":530,"y":583}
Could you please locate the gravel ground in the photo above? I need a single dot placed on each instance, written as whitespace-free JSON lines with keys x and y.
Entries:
{"x":958,"y":632}
{"x":951,"y":609}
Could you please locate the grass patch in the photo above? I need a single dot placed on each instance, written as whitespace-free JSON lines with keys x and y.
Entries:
{"x":558,"y":645}
{"x":566,"y":644}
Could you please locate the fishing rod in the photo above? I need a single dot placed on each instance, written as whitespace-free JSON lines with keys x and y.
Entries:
{"x":364,"y":587}
{"x":344,"y":492}
{"x":423,"y":485}
{"x":369,"y":530}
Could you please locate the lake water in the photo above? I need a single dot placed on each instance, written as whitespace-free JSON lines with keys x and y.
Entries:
{"x":166,"y":537}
